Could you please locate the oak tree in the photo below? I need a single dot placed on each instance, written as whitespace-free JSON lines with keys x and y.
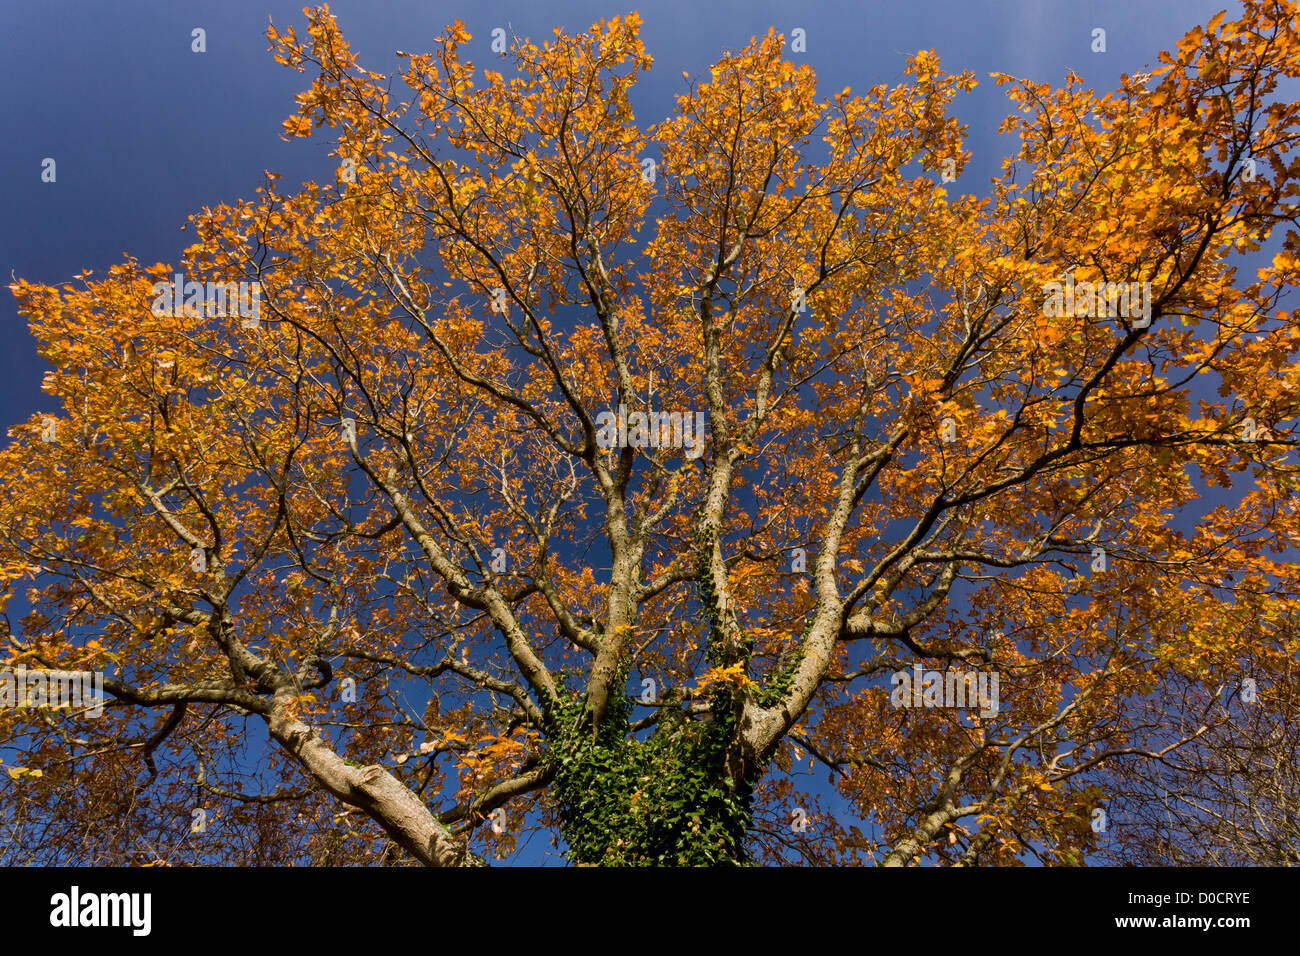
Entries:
{"x":562,"y":473}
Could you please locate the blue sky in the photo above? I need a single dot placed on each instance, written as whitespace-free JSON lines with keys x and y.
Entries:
{"x":145,"y":132}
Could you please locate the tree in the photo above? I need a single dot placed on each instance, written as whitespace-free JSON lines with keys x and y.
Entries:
{"x":645,"y":523}
{"x":1231,"y":797}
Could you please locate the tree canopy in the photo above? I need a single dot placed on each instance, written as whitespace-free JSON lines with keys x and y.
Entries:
{"x":556,"y":472}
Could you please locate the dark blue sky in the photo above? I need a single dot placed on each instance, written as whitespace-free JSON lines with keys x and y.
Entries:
{"x":145,"y":132}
